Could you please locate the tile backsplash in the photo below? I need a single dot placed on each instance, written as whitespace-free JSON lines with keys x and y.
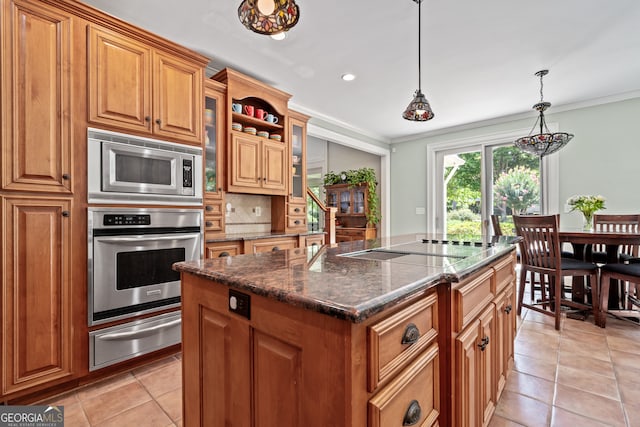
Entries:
{"x":243,"y":216}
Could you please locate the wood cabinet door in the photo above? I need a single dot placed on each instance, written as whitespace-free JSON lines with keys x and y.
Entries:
{"x":466,"y":377}
{"x":245,"y":163}
{"x":119,"y":71}
{"x":274,"y":162}
{"x":505,"y":334}
{"x":36,"y":298}
{"x":487,"y":361}
{"x":178,"y":98}
{"x":36,"y":92}
{"x":219,"y":250}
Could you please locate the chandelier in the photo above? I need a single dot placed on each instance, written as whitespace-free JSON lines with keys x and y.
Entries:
{"x":418,"y":109}
{"x":269,"y":17}
{"x":545,"y":142}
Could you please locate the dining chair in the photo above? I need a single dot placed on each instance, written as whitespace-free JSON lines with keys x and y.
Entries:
{"x":495,"y":223}
{"x":541,"y":254}
{"x":624,"y":272}
{"x":615,"y":223}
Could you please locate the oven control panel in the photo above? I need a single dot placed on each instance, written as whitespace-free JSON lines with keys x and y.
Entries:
{"x":131,"y":219}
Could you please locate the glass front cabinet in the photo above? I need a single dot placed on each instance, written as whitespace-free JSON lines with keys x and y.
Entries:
{"x":214,"y":145}
{"x":297,"y":203}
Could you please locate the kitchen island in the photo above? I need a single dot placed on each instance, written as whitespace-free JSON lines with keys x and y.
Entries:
{"x":411,"y":330}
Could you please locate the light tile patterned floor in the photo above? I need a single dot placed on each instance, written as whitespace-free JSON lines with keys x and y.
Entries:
{"x":581,"y":376}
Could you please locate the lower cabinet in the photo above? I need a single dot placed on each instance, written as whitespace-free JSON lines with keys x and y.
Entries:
{"x":223,"y":249}
{"x":37,"y":331}
{"x":349,"y":234}
{"x":239,"y":247}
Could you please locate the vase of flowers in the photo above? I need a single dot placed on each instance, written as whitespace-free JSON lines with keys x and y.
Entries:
{"x":587,"y":205}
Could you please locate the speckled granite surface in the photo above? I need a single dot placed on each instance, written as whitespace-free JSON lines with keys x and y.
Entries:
{"x":323,"y":279}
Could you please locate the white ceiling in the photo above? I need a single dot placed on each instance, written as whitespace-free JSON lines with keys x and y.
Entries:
{"x":478,"y":57}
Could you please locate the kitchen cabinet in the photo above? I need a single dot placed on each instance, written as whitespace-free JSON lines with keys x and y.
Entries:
{"x":351,"y":201}
{"x":295,"y":217}
{"x":271,"y":244}
{"x":273,"y":365}
{"x":134,"y":86}
{"x":37,"y":311}
{"x":214,"y":149}
{"x":223,"y":249}
{"x":36,"y":97}
{"x":257,"y":165}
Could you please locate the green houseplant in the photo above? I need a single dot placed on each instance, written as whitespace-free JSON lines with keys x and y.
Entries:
{"x":355,"y":177}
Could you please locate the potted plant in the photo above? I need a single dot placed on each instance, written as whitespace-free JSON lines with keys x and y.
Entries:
{"x":355,"y":177}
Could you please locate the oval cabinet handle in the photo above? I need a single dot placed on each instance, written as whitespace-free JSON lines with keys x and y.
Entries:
{"x":413,"y":414}
{"x":158,"y":121}
{"x":147,"y":119}
{"x":411,"y":334}
{"x":296,"y":210}
{"x":484,"y":342}
{"x":208,"y":208}
{"x":223,"y":254}
{"x":296,"y":222}
{"x":208,"y":224}
{"x":508,"y":309}
{"x":65,"y":214}
{"x":275,"y":248}
{"x":66,"y":176}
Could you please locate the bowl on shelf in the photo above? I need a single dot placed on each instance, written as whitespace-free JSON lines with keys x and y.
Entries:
{"x":250,"y":130}
{"x":275,"y":136}
{"x":263,"y":134}
{"x":236,"y":126}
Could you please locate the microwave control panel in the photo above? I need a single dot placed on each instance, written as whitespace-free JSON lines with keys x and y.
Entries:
{"x":187,"y":173}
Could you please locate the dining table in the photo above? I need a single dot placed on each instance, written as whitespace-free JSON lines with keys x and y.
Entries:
{"x":582,"y":240}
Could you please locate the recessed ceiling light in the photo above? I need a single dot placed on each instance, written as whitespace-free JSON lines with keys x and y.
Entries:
{"x":348,"y":77}
{"x":279,"y":36}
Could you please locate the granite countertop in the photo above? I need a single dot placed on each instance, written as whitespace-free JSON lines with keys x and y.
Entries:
{"x":323,"y":279}
{"x":256,"y":236}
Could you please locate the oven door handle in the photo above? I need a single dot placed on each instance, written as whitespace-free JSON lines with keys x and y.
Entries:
{"x":138,"y":333}
{"x":141,"y":237}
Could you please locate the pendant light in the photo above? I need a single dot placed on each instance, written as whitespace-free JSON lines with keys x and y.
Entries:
{"x":545,"y":142}
{"x":418,"y":109}
{"x":268,"y":17}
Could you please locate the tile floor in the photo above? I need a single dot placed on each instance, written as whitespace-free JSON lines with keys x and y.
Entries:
{"x":581,"y":376}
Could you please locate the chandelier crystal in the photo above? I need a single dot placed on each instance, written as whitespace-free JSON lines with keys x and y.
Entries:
{"x":268,"y":16}
{"x":418,"y":109}
{"x":545,"y":142}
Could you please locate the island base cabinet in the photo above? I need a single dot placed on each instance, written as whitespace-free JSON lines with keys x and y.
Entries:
{"x":284,"y":366}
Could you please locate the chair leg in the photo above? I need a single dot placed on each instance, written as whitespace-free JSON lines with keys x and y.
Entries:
{"x":605,"y":282}
{"x":543,"y":290}
{"x":557,"y":284}
{"x":523,"y":279}
{"x":594,"y":297}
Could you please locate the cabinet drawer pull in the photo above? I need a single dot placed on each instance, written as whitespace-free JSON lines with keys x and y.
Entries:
{"x":208,"y":208}
{"x":147,"y":119}
{"x":296,"y":210}
{"x":66,"y":176}
{"x":275,"y":248}
{"x":158,"y":121}
{"x":484,"y":342}
{"x":296,"y":222}
{"x":65,"y":213}
{"x":223,"y":254}
{"x":208,"y":224}
{"x":411,"y":334}
{"x":264,"y":179}
{"x":508,"y":309}
{"x":413,"y":414}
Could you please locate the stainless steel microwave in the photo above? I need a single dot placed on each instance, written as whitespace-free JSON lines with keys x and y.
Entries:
{"x":130,"y":169}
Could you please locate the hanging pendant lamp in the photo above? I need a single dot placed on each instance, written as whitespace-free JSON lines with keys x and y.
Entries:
{"x":545,"y":142}
{"x":268,"y":17}
{"x":418,"y":109}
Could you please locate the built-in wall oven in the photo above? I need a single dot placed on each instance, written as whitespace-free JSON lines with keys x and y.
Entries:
{"x":131,"y":252}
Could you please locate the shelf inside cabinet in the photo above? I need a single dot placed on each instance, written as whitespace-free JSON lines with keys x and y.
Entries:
{"x":243,"y":118}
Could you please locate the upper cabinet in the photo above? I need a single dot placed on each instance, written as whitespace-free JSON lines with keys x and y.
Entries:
{"x":36,"y":95}
{"x":134,"y":86}
{"x":258,"y":140}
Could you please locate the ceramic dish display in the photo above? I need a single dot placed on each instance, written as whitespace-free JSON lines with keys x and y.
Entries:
{"x":250,"y":130}
{"x":276,"y":137}
{"x":263,"y":133}
{"x":236,"y":126}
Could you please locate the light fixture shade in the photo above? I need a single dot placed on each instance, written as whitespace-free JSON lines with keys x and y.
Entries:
{"x":284,"y":16}
{"x":544,"y":142}
{"x":418,"y":109}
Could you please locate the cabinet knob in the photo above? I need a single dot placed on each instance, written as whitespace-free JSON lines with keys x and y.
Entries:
{"x":296,"y":210}
{"x":66,"y":176}
{"x":219,"y":188}
{"x":208,"y":223}
{"x":296,"y":222}
{"x":158,"y":121}
{"x":223,"y":254}
{"x":411,"y":334}
{"x":413,"y":414}
{"x":147,"y":119}
{"x":508,"y":309}
{"x":484,"y":342}
{"x":65,"y":214}
{"x":264,"y":179}
{"x":208,"y":208}
{"x":275,"y":248}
